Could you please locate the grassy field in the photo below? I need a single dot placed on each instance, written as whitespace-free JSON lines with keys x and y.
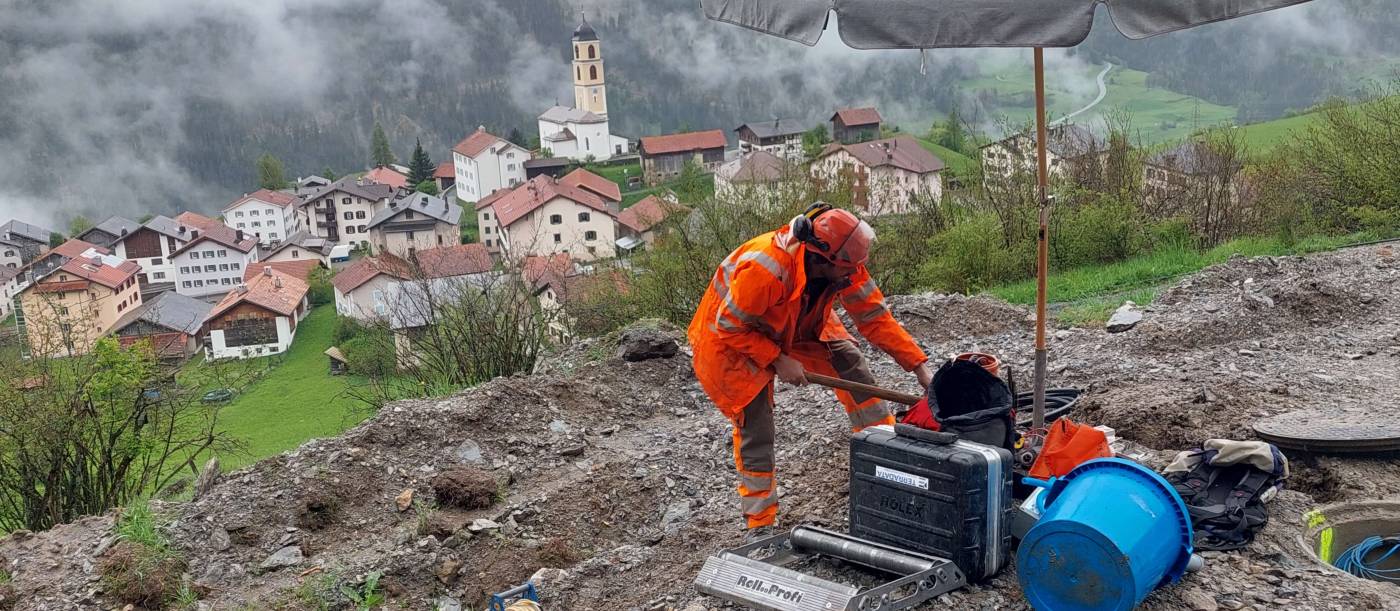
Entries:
{"x":1262,"y":137}
{"x":295,"y":401}
{"x":1088,"y":295}
{"x":959,"y":163}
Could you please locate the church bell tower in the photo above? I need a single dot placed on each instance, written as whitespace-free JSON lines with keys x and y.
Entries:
{"x":590,"y":90}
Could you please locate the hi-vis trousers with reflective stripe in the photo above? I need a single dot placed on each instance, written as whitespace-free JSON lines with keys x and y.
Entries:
{"x":754,"y":431}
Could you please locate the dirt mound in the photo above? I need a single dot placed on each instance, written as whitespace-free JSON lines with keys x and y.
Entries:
{"x":617,"y":482}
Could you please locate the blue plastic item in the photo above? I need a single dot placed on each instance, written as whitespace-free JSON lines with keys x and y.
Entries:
{"x":1110,"y":532}
{"x":525,"y":591}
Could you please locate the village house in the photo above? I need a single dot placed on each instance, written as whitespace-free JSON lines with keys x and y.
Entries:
{"x":299,"y":246}
{"x":340,"y":211}
{"x":387,"y":175}
{"x":445,"y":176}
{"x":362,"y":288}
{"x":663,"y":157}
{"x":1064,"y":144}
{"x":300,"y":270}
{"x":106,"y":233}
{"x":259,"y":318}
{"x":485,"y":163}
{"x":781,"y":137}
{"x":582,"y":133}
{"x":64,"y":312}
{"x":212,"y":262}
{"x":9,"y":287}
{"x":11,"y":254}
{"x":852,"y":125}
{"x":551,"y":279}
{"x":757,"y":175}
{"x":169,"y":321}
{"x":1192,"y":171}
{"x":152,"y":246}
{"x":439,"y":280}
{"x":886,"y":176}
{"x":595,"y":184}
{"x":26,"y":241}
{"x":415,"y":221}
{"x":544,"y":216}
{"x":639,"y":224}
{"x":268,"y":215}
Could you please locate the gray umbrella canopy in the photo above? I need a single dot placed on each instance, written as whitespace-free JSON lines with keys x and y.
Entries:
{"x":927,"y":24}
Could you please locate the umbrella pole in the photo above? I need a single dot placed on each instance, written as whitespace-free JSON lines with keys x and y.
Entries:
{"x":1042,"y":239}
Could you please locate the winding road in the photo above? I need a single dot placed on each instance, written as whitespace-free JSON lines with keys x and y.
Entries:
{"x":1103,"y":92}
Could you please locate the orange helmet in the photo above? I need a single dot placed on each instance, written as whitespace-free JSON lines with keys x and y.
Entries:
{"x":835,"y":234}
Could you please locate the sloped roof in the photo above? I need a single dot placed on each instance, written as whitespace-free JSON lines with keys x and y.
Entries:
{"x":220,"y":233}
{"x":445,"y":169}
{"x":297,"y":269}
{"x":478,"y":141}
{"x":105,"y":269}
{"x":548,"y":162}
{"x":561,"y":115}
{"x":512,"y":205}
{"x":903,"y":152}
{"x":758,"y":166}
{"x":76,"y":248}
{"x":432,"y":206}
{"x":1068,"y":140}
{"x":165,"y":225}
{"x":170,"y":310}
{"x":650,"y":212}
{"x":196,"y":220}
{"x":452,"y":261}
{"x":537,"y":269}
{"x":680,"y":143}
{"x":363,"y":270}
{"x":387,"y":176}
{"x":8,"y":273}
{"x":303,"y":239}
{"x":774,"y":128}
{"x":273,"y":291}
{"x":563,"y":135}
{"x":600,"y":186}
{"x":1190,"y":158}
{"x":584,"y":32}
{"x":352,"y":185}
{"x":117,"y":226}
{"x":858,"y":116}
{"x":33,"y":233}
{"x":266,"y":196}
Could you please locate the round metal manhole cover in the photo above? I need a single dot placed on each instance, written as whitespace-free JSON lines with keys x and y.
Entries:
{"x":1341,"y":431}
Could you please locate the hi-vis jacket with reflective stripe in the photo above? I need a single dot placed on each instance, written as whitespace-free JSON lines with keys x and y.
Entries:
{"x":749,"y":315}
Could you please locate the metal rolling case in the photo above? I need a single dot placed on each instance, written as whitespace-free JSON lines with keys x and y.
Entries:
{"x":758,"y":574}
{"x":934,"y":494}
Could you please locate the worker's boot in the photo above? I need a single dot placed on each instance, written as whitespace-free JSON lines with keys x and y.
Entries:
{"x":753,"y":535}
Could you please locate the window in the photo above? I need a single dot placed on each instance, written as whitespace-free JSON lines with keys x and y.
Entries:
{"x":296,"y":254}
{"x":555,"y":219}
{"x":194,"y":254}
{"x":157,"y":261}
{"x":349,"y":216}
{"x":439,"y":239}
{"x":228,"y":280}
{"x":486,"y":216}
{"x":558,"y":238}
{"x":63,"y":310}
{"x":510,"y":167}
{"x":223,"y":267}
{"x":185,"y":284}
{"x":199,"y":283}
{"x":592,"y":70}
{"x":349,"y":229}
{"x":590,"y":235}
{"x":211,"y":268}
{"x":238,"y":214}
{"x":272,"y":236}
{"x":592,"y":250}
{"x":362,"y":229}
{"x":511,"y":155}
{"x":257,"y":223}
{"x":576,"y":52}
{"x":360,"y":214}
{"x":236,"y":266}
{"x":593,"y":54}
{"x":209,"y":254}
{"x":184,"y":270}
{"x":158,"y":275}
{"x":345,"y":201}
{"x":486,"y":230}
{"x":488,"y":243}
{"x":410,"y":236}
{"x":409,"y":216}
{"x":579,"y":73}
{"x":584,"y":217}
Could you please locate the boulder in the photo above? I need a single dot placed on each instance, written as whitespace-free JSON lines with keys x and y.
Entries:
{"x":287,"y":556}
{"x":1124,"y":318}
{"x":643,"y":344}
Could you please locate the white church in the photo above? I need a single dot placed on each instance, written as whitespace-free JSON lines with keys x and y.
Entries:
{"x":581,"y":132}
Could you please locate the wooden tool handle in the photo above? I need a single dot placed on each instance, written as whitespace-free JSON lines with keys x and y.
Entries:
{"x":864,"y":389}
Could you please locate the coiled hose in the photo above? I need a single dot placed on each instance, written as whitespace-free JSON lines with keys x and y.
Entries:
{"x":1354,"y":559}
{"x":1058,"y":402}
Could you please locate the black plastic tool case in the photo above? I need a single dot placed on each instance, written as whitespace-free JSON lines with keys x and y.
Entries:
{"x":934,"y":494}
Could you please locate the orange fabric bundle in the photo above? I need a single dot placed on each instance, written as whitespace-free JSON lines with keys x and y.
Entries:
{"x":1068,"y":445}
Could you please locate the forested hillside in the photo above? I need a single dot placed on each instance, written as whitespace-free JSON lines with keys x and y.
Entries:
{"x":165,"y":106}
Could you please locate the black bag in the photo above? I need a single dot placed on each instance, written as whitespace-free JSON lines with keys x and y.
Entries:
{"x":933,"y":493}
{"x":970,"y":402}
{"x":1225,"y":485}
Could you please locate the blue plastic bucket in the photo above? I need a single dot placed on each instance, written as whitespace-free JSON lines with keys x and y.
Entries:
{"x":1110,"y":532}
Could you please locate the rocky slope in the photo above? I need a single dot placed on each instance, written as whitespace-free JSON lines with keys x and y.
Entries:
{"x":615,"y":476}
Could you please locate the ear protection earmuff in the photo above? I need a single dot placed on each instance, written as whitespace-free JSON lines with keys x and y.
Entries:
{"x":804,"y":231}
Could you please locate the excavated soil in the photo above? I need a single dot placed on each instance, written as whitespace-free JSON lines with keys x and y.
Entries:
{"x":616,"y":477}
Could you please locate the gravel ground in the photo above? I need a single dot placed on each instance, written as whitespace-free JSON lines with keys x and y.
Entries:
{"x":615,"y":476}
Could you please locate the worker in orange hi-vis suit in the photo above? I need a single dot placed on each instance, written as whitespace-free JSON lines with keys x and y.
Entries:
{"x":768,"y":312}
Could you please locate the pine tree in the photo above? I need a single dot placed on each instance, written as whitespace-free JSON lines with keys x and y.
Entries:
{"x":954,"y":137}
{"x":517,"y":137}
{"x":271,"y":174}
{"x":420,"y":167}
{"x":380,"y":152}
